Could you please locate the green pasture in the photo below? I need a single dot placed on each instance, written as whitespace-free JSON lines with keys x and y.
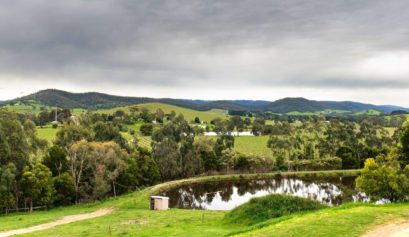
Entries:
{"x":48,"y":133}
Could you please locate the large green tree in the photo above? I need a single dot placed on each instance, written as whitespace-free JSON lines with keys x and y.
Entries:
{"x":172,"y":147}
{"x":37,"y":185}
{"x":8,"y":177}
{"x":404,"y":141}
{"x":64,"y":189}
{"x":56,"y":160}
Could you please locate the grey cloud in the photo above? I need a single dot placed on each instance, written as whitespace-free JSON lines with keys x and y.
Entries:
{"x":342,"y":83}
{"x":176,"y":42}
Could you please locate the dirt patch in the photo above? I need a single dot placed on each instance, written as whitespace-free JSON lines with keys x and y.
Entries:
{"x":396,"y":229}
{"x":134,"y":222}
{"x":62,"y":221}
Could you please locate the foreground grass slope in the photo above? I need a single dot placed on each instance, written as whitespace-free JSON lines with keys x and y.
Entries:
{"x":133,"y":218}
{"x":346,"y":221}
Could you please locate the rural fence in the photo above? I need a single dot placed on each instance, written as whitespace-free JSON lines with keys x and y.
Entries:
{"x":23,"y":209}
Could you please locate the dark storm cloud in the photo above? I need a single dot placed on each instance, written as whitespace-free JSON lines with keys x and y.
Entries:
{"x":187,"y":42}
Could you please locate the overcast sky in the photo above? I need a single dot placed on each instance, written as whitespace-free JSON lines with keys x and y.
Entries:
{"x":222,"y":49}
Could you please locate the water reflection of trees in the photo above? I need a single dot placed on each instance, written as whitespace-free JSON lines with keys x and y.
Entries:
{"x":333,"y":191}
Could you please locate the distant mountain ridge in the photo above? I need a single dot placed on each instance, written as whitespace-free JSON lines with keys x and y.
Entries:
{"x":95,"y":100}
{"x":303,"y":105}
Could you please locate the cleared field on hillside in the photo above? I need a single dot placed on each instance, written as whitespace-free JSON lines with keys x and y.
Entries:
{"x":27,"y":109}
{"x":47,"y":133}
{"x":78,"y":111}
{"x":144,"y":141}
{"x":245,"y":144}
{"x":252,"y":145}
{"x":188,"y":113}
{"x":368,"y":112}
{"x":256,"y":145}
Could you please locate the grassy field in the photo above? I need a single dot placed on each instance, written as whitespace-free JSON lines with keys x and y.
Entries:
{"x":252,"y":145}
{"x":33,"y":108}
{"x":78,"y":111}
{"x":144,"y":141}
{"x":334,"y":112}
{"x":188,"y":113}
{"x":48,"y":133}
{"x":256,"y":145}
{"x":368,"y":112}
{"x":132,"y":218}
{"x":36,"y":108}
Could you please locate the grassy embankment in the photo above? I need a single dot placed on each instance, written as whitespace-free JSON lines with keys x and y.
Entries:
{"x":132,"y":217}
{"x":262,"y":209}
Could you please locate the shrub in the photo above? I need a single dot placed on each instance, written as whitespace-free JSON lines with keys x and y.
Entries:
{"x":241,"y":162}
{"x":197,"y":120}
{"x":272,"y":206}
{"x":384,"y":179}
{"x":146,"y":129}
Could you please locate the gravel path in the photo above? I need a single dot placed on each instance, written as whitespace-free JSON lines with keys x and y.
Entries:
{"x":62,"y":221}
{"x":398,"y":229}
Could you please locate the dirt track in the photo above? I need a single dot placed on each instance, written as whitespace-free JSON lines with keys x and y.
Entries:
{"x":398,"y":229}
{"x":62,"y":221}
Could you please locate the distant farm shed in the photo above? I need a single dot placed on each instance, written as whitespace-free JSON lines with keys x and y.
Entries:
{"x":159,"y":203}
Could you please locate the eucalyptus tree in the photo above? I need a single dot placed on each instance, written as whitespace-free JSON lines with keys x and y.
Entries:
{"x":172,"y":147}
{"x":8,"y":175}
{"x":37,"y":185}
{"x":94,"y":168}
{"x":56,"y":160}
{"x":404,"y":143}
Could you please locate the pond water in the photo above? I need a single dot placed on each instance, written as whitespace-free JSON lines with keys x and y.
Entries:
{"x":226,"y":195}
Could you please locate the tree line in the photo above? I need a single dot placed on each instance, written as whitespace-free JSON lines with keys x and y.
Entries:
{"x":89,"y":160}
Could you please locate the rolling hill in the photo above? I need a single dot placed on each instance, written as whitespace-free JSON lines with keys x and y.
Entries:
{"x":189,"y":114}
{"x":95,"y":101}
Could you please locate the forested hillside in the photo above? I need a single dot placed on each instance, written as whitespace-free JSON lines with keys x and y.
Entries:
{"x":94,"y":101}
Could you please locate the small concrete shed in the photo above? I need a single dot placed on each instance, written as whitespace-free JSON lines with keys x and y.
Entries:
{"x":159,"y":203}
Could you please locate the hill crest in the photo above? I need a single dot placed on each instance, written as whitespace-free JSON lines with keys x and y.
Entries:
{"x":96,"y":100}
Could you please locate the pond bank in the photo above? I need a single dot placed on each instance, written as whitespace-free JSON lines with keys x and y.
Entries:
{"x":228,"y":194}
{"x":231,"y":177}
